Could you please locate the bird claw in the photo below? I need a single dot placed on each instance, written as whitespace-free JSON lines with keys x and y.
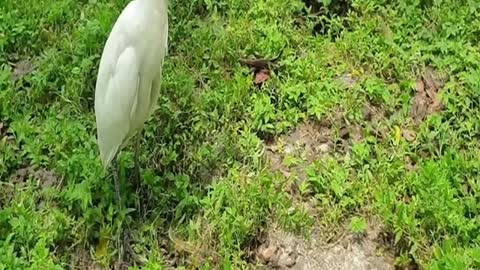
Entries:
{"x":126,"y":254}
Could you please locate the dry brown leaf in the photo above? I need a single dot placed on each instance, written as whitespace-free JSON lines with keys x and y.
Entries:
{"x":262,"y":76}
{"x":261,"y":68}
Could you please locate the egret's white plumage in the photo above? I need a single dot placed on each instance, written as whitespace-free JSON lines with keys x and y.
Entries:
{"x":128,"y":82}
{"x":129,"y":76}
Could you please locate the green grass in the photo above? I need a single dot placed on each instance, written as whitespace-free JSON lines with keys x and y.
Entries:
{"x":204,"y":171}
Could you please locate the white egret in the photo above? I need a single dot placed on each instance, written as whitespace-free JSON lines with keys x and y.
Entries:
{"x":129,"y":78}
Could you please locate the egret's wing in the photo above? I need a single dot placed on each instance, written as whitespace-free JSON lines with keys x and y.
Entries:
{"x":116,"y":109}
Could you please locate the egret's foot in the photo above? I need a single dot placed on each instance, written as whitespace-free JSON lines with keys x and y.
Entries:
{"x":129,"y":252}
{"x":127,"y":255}
{"x":122,"y":241}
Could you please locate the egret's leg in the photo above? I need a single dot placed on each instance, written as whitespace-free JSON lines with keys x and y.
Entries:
{"x":138,"y":180}
{"x":116,"y":182}
{"x":120,"y":236}
{"x":137,"y":162}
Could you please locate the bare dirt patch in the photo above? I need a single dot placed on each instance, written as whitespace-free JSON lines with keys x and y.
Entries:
{"x":332,"y":135}
{"x":290,"y":154}
{"x":22,"y":68}
{"x":282,"y":250}
{"x":373,"y":113}
{"x":347,"y":80}
{"x":45,"y":178}
{"x":81,"y":259}
{"x":427,"y":97}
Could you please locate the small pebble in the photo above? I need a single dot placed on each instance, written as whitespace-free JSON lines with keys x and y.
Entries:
{"x":268,"y":253}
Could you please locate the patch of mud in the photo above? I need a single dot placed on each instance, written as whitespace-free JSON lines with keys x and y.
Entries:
{"x":290,"y":154}
{"x":309,"y":141}
{"x":373,"y":113}
{"x":410,"y":164}
{"x":427,"y":97}
{"x":313,"y":140}
{"x":281,"y":250}
{"x":21,"y":68}
{"x":347,"y":80}
{"x":45,"y":178}
{"x":81,"y":260}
